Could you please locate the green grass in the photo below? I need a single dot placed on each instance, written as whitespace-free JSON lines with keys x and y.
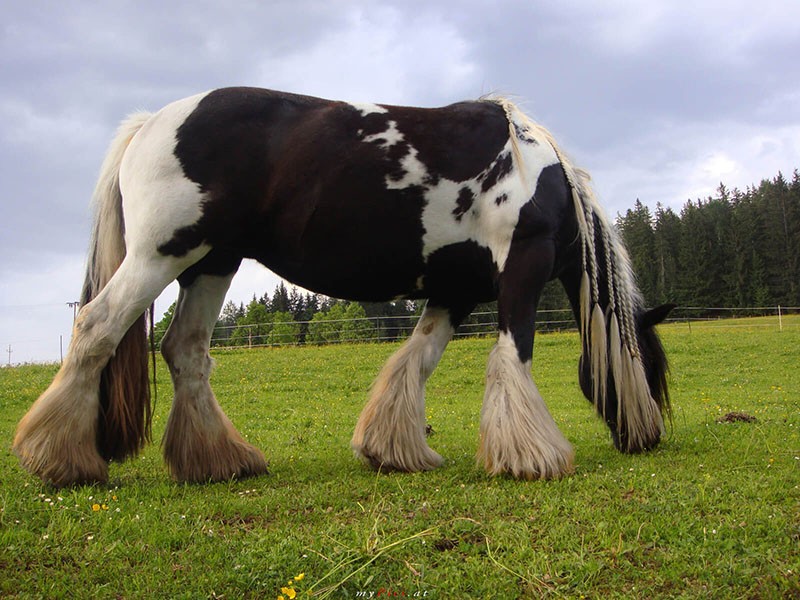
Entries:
{"x":713,"y":512}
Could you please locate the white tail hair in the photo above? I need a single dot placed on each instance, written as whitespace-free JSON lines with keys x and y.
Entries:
{"x":107,"y":246}
{"x":125,"y":411}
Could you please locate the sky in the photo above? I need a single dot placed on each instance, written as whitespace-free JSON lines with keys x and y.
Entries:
{"x":661,"y":100}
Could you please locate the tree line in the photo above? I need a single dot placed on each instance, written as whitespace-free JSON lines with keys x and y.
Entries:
{"x":290,"y":316}
{"x":737,"y":249}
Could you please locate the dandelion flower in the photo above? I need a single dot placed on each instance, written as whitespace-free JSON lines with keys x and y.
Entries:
{"x":96,"y":507}
{"x":290,"y":593}
{"x":299,"y":577}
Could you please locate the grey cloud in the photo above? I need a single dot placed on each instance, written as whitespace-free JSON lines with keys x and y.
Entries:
{"x":657,"y":99}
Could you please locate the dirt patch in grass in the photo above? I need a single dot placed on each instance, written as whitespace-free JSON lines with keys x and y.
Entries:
{"x":737,"y":417}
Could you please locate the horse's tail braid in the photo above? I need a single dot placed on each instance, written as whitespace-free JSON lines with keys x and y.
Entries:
{"x":125,"y":412}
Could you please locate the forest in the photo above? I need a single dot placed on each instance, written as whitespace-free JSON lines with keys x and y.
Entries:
{"x":737,"y":249}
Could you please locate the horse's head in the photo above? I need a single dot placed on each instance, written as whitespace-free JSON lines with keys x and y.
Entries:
{"x":654,"y":362}
{"x":654,"y":358}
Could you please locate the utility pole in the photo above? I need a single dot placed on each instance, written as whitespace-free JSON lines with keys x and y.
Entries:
{"x":74,"y":306}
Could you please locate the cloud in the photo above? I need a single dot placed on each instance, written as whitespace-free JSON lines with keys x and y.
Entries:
{"x":660,"y":100}
{"x":678,"y":162}
{"x":378,"y":54}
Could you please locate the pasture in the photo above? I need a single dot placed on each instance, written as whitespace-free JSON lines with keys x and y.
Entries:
{"x":714,"y":511}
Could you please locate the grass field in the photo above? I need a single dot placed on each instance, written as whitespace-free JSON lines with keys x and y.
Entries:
{"x":713,"y":512}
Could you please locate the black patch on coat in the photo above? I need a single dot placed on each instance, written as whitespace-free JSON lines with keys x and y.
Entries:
{"x":500,"y":169}
{"x":524,"y":136}
{"x":459,"y":273}
{"x":456,"y":142}
{"x":463,"y":203}
{"x":501,"y":199}
{"x":288,"y":180}
{"x":396,"y":154}
{"x":217,"y":262}
{"x":533,"y":257}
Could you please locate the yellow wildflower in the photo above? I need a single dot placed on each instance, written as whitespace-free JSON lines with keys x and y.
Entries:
{"x":95,"y":507}
{"x":299,"y":577}
{"x":290,"y":593}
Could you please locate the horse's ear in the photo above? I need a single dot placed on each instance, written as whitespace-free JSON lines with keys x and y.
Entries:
{"x":656,"y":315}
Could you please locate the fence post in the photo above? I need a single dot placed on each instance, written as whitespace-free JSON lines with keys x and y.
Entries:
{"x":780,"y":319}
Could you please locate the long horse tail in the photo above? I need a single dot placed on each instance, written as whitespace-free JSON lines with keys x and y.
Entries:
{"x":610,"y":302}
{"x":124,"y":418}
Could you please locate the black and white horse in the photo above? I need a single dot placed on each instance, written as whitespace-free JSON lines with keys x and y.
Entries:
{"x":460,"y":205}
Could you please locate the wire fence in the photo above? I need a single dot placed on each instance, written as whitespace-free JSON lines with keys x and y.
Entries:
{"x":395,"y":328}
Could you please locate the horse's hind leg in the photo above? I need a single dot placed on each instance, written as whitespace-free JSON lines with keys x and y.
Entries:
{"x":57,"y":438}
{"x":200,"y":443}
{"x":518,"y":435}
{"x":390,"y":432}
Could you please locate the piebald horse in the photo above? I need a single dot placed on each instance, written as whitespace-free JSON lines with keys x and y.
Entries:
{"x":457,"y":205}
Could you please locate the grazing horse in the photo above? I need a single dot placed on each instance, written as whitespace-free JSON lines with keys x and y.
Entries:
{"x":458,"y":205}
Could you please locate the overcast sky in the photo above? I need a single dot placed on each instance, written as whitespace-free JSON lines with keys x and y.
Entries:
{"x":660,"y":100}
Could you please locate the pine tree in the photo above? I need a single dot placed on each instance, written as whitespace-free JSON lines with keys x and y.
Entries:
{"x":666,"y":244}
{"x":280,"y":300}
{"x":637,"y":232}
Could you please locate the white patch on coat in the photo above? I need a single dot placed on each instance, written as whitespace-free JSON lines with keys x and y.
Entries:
{"x":368,"y":108}
{"x":389,"y":138}
{"x":415,"y":172}
{"x":152,"y":180}
{"x":487,"y":223}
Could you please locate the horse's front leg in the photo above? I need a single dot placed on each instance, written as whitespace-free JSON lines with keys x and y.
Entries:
{"x":517,"y":433}
{"x":390,"y":433}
